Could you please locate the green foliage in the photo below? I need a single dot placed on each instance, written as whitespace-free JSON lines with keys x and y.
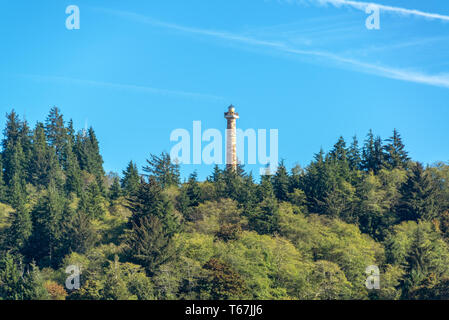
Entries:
{"x":163,"y":170}
{"x":417,"y":196}
{"x":221,"y":282}
{"x":19,"y":282}
{"x":92,"y":202}
{"x":148,"y":244}
{"x":300,"y":234}
{"x":131,"y":179}
{"x":419,"y":249}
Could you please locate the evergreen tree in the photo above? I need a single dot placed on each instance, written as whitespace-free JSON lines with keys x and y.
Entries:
{"x":19,"y":284}
{"x":13,"y":157}
{"x":353,"y":155}
{"x":78,"y":233}
{"x":339,"y":150}
{"x":337,"y":161}
{"x":73,"y":182}
{"x":217,"y":178}
{"x":12,"y":131}
{"x":425,"y":264}
{"x":216,"y":175}
{"x":47,"y":217}
{"x":131,"y":179}
{"x":56,"y":132}
{"x":115,"y":286}
{"x":92,"y":201}
{"x":115,"y":190}
{"x":150,"y":200}
{"x":70,"y":132}
{"x":16,"y":190}
{"x":232,"y":183}
{"x":20,"y":230}
{"x":3,"y":197}
{"x":193,"y":190}
{"x":34,"y":288}
{"x":379,"y":156}
{"x":396,"y":156}
{"x":317,"y":183}
{"x":149,"y":244}
{"x":26,"y":143}
{"x":163,"y":170}
{"x":265,"y":217}
{"x":11,"y":281}
{"x":44,"y":166}
{"x":281,"y":182}
{"x":87,"y":150}
{"x":417,"y":196}
{"x":95,"y":160}
{"x":373,"y":154}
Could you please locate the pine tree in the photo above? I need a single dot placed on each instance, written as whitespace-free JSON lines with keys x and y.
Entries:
{"x":149,"y":244}
{"x":353,"y":154}
{"x":417,"y":196}
{"x":26,"y":137}
{"x":379,"y":156}
{"x":34,"y":288}
{"x":418,"y":262}
{"x":150,"y":200}
{"x":73,"y":182}
{"x":115,"y":190}
{"x":16,"y":190}
{"x":18,"y":282}
{"x":47,"y":218}
{"x":163,"y":170}
{"x":92,"y":202}
{"x":87,"y":150}
{"x":317,"y":183}
{"x":115,"y":286}
{"x":216,"y":174}
{"x":95,"y":160}
{"x":193,"y":190}
{"x":3,"y":197}
{"x":217,"y":178}
{"x":281,"y":182}
{"x":79,"y":234}
{"x":264,"y":218}
{"x":131,"y":179}
{"x":339,"y":150}
{"x":396,"y":156}
{"x":56,"y":132}
{"x":11,"y":279}
{"x":368,"y":153}
{"x":373,"y":153}
{"x":70,"y":132}
{"x":44,"y":166}
{"x":21,"y":227}
{"x":13,"y":157}
{"x":12,"y":130}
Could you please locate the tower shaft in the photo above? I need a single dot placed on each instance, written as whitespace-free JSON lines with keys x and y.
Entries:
{"x":231,"y":138}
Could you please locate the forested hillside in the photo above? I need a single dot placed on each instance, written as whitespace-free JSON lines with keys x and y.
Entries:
{"x":304,"y":233}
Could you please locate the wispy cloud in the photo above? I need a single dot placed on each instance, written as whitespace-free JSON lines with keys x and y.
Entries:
{"x":363,"y":5}
{"x":441,"y":80}
{"x":120,"y":86}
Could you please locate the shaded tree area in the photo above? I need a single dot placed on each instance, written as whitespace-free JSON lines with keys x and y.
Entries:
{"x":301,"y":233}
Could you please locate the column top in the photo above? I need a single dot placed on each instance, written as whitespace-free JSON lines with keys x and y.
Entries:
{"x":231,"y":114}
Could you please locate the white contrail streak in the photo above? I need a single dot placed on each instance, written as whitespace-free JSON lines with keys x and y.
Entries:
{"x":363,"y":5}
{"x":440,"y":80}
{"x":120,"y":86}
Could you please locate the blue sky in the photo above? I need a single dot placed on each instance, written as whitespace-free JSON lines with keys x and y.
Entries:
{"x":136,"y":70}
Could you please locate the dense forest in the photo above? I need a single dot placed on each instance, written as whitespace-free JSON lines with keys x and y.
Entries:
{"x":304,"y":233}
